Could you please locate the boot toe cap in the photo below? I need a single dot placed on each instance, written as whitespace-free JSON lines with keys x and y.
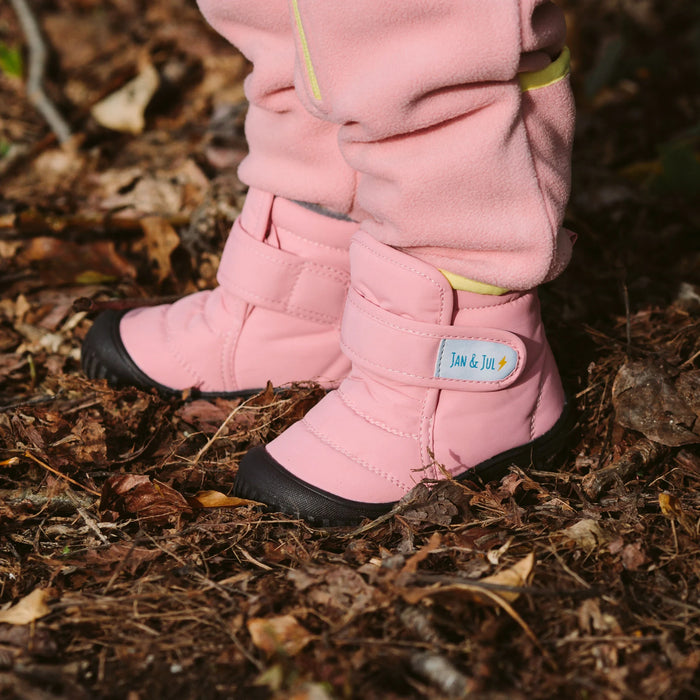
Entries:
{"x":262,"y":478}
{"x":104,"y":356}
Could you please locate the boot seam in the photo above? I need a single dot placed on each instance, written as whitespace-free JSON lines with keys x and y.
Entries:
{"x":354,"y":459}
{"x":379,"y":424}
{"x":534,"y":413}
{"x":177,"y":356}
{"x":235,"y":340}
{"x":540,"y":393}
{"x":228,"y":349}
{"x":427,"y":423}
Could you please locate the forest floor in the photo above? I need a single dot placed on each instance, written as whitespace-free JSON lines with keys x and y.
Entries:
{"x":125,"y":571}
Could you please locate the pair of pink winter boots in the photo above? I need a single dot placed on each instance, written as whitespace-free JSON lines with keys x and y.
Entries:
{"x":447,"y":173}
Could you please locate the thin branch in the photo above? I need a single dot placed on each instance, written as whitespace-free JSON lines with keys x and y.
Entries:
{"x":29,"y":455}
{"x":640,"y":457}
{"x":37,"y":67}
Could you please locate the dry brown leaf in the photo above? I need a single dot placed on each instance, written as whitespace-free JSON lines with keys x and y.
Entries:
{"x":216,"y":499}
{"x":279,"y":634}
{"x":161,"y":240}
{"x":137,"y":495}
{"x":126,"y":554}
{"x":412,"y":564}
{"x":30,"y":608}
{"x":124,"y":109}
{"x":516,"y":576}
{"x":633,"y":556}
{"x":209,"y":416}
{"x":586,"y":533}
{"x":671,"y":507}
{"x":688,"y":387}
{"x":646,"y":400}
{"x":65,"y":262}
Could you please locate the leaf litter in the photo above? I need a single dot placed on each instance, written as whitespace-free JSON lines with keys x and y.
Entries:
{"x":126,"y":567}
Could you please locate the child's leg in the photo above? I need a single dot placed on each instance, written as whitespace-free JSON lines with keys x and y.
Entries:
{"x":284,"y":272}
{"x":457,"y":117}
{"x":463,"y":160}
{"x":291,"y":153}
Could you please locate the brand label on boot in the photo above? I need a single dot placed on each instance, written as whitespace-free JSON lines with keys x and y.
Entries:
{"x":475,"y":360}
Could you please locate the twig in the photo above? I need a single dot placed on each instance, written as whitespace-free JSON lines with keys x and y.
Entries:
{"x":90,"y":522}
{"x":42,"y":499}
{"x":641,"y":455}
{"x":37,"y":67}
{"x":34,"y":401}
{"x":29,"y":455}
{"x":216,"y":435}
{"x":95,"y":305}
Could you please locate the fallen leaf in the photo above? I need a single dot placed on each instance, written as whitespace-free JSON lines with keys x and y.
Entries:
{"x":279,"y":634}
{"x":671,"y":507}
{"x":216,"y":499}
{"x":137,"y":495}
{"x":432,"y":544}
{"x":586,"y":533}
{"x":633,"y":557}
{"x":127,"y":555}
{"x":124,"y":109}
{"x":688,"y":386}
{"x":516,"y":576}
{"x":64,"y":262}
{"x":208,"y":416}
{"x":592,"y":620}
{"x":30,"y":608}
{"x":646,"y":400}
{"x":160,"y":240}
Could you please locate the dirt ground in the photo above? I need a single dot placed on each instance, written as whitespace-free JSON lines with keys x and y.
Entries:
{"x":126,"y":571}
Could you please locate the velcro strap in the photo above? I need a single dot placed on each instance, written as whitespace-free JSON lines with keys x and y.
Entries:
{"x":426,"y":354}
{"x":281,"y":281}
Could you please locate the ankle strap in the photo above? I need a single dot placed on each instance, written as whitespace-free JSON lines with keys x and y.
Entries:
{"x":281,"y":281}
{"x":425,"y":354}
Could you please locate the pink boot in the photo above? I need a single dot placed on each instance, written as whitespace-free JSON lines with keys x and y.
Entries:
{"x":440,"y":380}
{"x":275,"y":317}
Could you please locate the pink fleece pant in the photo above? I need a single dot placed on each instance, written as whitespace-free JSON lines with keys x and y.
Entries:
{"x":409,"y":116}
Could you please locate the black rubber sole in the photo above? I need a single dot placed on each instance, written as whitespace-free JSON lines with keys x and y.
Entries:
{"x":103,"y":356}
{"x":261,"y":478}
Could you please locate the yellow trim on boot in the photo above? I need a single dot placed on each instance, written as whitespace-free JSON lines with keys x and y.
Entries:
{"x":463,"y":284}
{"x":553,"y":73}
{"x":313,"y":82}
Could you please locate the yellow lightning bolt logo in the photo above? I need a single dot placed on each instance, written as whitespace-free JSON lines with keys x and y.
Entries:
{"x":502,"y":363}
